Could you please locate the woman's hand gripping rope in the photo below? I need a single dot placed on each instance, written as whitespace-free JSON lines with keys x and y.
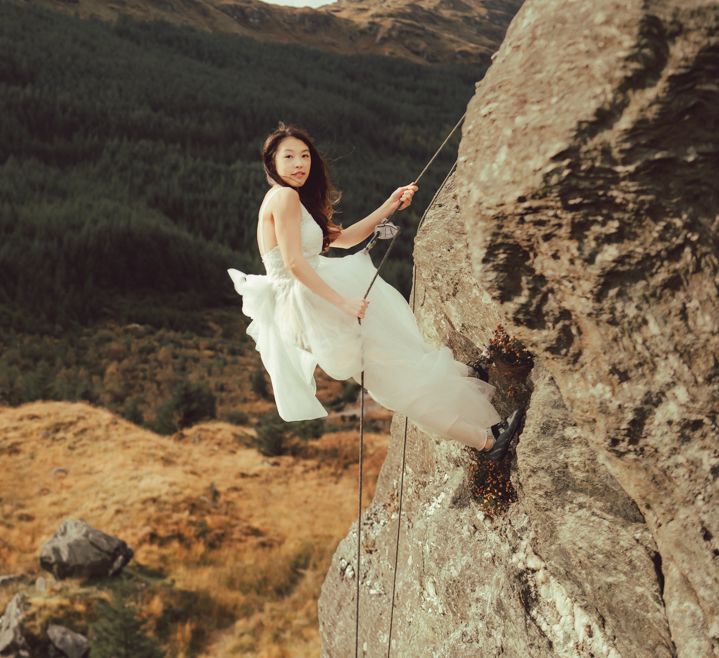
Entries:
{"x":401,"y":198}
{"x":356,"y":307}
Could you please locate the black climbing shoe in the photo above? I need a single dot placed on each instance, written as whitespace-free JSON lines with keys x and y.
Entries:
{"x":501,"y":443}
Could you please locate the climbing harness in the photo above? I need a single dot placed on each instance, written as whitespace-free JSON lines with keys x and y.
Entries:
{"x":383,"y":231}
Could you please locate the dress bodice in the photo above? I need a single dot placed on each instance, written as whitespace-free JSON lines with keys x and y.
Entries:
{"x":311,"y":238}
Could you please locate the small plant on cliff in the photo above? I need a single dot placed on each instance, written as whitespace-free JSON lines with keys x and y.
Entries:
{"x":508,"y":349}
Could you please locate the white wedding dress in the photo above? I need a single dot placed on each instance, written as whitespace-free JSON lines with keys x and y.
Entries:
{"x":295,"y":330}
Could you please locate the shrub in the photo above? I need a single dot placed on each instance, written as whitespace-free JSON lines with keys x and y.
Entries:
{"x":38,"y":382}
{"x":259,"y":383}
{"x":190,"y":403}
{"x":372,"y":425}
{"x":146,"y":348}
{"x":308,"y":429}
{"x":118,"y":633}
{"x":194,"y":402}
{"x":164,"y":422}
{"x":271,"y":434}
{"x":237,"y":418}
{"x":131,"y":411}
{"x":350,"y":391}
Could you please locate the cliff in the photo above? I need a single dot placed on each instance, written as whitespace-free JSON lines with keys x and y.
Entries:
{"x":583,"y":218}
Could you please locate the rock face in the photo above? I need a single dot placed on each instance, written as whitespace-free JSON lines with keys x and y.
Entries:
{"x":583,"y":215}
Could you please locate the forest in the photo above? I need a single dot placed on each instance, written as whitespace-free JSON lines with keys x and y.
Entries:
{"x":130,"y":170}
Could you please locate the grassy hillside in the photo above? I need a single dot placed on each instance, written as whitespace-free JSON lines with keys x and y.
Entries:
{"x":231,"y":547}
{"x":129,"y":158}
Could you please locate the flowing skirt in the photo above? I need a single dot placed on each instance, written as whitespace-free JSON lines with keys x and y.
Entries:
{"x":295,"y":330}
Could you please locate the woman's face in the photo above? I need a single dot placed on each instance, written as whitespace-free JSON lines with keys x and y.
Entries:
{"x":293,"y":161}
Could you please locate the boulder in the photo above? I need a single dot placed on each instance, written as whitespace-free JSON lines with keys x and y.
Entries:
{"x":12,"y":641}
{"x":78,"y":550}
{"x":509,"y":559}
{"x":67,"y":643}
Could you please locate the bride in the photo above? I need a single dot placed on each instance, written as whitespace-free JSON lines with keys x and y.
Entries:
{"x":305,"y":310}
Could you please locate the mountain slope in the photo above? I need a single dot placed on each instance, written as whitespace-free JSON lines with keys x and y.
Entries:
{"x":128,"y":138}
{"x":426,"y":31}
{"x":225,"y":539}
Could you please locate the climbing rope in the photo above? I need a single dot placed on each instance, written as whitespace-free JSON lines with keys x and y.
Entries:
{"x":385,"y":230}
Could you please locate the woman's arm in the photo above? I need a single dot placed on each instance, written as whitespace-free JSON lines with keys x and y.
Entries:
{"x":287,"y":214}
{"x":355,"y":233}
{"x":363,"y":228}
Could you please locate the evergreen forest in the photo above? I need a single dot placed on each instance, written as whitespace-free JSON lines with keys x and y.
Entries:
{"x":130,"y":171}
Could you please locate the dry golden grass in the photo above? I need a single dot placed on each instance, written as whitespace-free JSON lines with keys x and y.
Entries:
{"x":252,"y":537}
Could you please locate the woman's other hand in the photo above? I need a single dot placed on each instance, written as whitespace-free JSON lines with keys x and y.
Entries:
{"x":401,"y":197}
{"x":355,"y":307}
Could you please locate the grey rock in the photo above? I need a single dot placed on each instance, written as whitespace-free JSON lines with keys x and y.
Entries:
{"x":12,"y":642}
{"x":79,"y":550}
{"x":588,"y":190}
{"x":582,"y":217}
{"x":71,"y":644}
{"x":561,"y":572}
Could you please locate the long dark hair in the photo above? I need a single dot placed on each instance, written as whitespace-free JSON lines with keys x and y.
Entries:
{"x":318,"y":194}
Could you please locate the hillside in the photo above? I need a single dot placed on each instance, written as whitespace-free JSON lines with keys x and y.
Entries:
{"x":162,"y":378}
{"x":423,"y":31}
{"x":230,"y":546}
{"x":121,"y":140}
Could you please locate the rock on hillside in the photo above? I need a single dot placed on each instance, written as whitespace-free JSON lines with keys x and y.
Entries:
{"x":584,"y":219}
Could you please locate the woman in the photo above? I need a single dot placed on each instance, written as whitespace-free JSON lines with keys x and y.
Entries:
{"x":304,"y":310}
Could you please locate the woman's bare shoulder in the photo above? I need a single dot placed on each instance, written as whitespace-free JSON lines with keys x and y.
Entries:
{"x":285,"y":197}
{"x":285,"y":193}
